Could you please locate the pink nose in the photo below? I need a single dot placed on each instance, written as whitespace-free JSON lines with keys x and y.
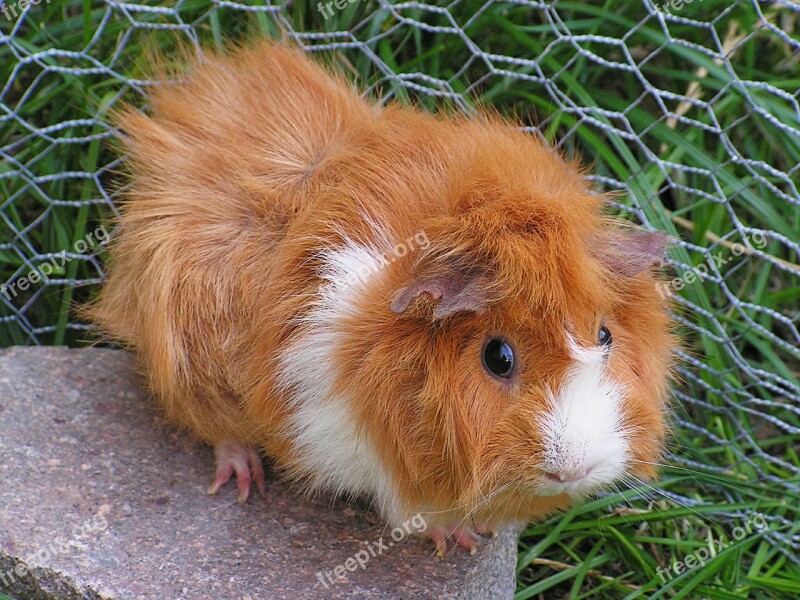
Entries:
{"x":566,"y":476}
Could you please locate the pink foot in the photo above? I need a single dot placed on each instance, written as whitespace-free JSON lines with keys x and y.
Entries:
{"x":462,"y":536}
{"x":244,"y":460}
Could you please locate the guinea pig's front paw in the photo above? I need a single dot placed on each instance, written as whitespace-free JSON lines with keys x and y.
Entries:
{"x":245,"y":461}
{"x":462,"y":535}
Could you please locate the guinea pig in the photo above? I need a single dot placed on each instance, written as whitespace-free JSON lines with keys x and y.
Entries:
{"x":432,"y":312}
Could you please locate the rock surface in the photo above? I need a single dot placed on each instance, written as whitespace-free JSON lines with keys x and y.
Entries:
{"x":99,"y":498}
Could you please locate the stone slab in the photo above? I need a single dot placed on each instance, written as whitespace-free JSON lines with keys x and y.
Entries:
{"x":99,"y":498}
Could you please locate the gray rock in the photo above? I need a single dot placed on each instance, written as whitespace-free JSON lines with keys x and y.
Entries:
{"x":102,"y":499}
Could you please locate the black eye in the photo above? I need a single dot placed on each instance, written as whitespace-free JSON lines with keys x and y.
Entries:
{"x":498,"y":358}
{"x":604,"y":336}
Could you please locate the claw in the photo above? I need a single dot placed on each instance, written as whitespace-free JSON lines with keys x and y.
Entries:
{"x":463,"y":536}
{"x":440,"y":540}
{"x":244,"y":461}
{"x":223,"y":474}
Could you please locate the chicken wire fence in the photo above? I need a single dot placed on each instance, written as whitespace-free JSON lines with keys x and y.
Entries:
{"x":689,"y":110}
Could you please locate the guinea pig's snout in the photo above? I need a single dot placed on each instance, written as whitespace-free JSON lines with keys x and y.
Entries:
{"x":585,"y":441}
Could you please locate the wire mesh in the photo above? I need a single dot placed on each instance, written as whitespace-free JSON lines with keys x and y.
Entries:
{"x":699,"y":139}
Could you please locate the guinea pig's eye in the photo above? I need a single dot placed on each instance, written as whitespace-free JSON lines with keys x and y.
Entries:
{"x":498,"y":358}
{"x":604,"y":336}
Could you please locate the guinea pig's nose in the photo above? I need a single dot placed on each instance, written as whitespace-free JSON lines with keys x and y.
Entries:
{"x":564,"y":476}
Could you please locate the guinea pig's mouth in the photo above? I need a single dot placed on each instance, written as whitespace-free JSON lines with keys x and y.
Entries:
{"x":578,"y":481}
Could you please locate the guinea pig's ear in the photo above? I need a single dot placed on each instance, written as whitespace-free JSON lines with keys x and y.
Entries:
{"x":629,"y":252}
{"x":453,"y":291}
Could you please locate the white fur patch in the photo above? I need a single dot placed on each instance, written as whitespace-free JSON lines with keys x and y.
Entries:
{"x":584,"y":428}
{"x":327,"y":446}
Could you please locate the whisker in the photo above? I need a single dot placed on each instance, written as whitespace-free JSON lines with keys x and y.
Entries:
{"x":675,"y":500}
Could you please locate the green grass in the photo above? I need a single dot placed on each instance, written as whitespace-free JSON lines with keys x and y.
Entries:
{"x":599,"y":549}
